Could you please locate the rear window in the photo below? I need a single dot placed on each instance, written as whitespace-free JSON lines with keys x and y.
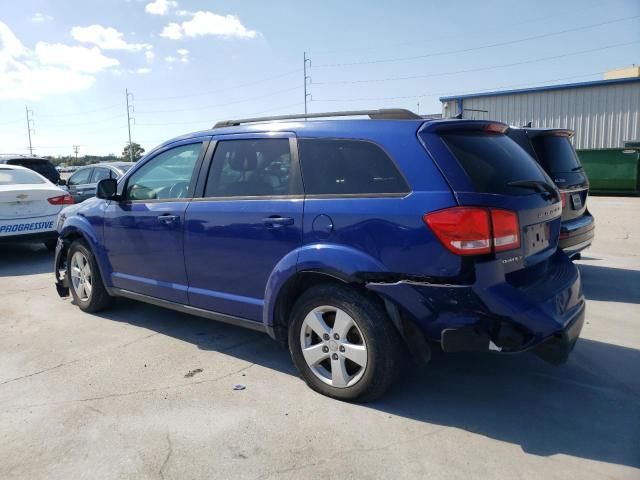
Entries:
{"x":10,"y":176}
{"x":40,"y":166}
{"x":556,"y":154}
{"x":492,"y":161}
{"x":348,"y":167}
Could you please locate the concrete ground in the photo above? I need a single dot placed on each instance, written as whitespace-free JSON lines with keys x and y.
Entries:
{"x":140,"y":392}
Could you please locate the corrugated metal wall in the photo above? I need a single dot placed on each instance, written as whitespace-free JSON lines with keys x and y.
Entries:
{"x":602,"y":116}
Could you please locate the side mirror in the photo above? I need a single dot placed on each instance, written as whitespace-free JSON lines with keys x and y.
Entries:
{"x":62,"y":182}
{"x":107,"y":189}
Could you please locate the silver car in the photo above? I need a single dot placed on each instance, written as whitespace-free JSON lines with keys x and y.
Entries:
{"x":82,"y":184}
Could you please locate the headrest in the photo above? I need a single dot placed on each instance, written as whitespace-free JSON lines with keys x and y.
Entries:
{"x":245,"y":158}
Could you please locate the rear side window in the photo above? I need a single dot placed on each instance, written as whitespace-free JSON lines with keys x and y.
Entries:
{"x":492,"y":161}
{"x":348,"y":167}
{"x":556,"y":154}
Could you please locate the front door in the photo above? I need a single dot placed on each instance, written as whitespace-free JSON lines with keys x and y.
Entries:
{"x":143,"y":233}
{"x":249,"y":218}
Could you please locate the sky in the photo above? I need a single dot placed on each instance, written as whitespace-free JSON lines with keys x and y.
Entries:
{"x":191,"y":63}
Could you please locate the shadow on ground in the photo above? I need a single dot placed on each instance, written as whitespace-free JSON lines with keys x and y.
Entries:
{"x":17,"y":259}
{"x":588,"y":408}
{"x":610,"y":284}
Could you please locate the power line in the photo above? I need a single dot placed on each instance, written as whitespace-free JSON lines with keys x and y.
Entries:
{"x":448,"y":93}
{"x":473,"y":49}
{"x":209,"y":120}
{"x":117,"y":105}
{"x":483,"y":29}
{"x":209,"y":92}
{"x":121,"y":115}
{"x":207,"y":107}
{"x":479,"y":69}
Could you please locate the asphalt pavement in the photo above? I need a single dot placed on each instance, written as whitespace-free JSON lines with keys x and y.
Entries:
{"x":141,"y":392}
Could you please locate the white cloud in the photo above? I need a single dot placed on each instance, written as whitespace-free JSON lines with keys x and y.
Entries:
{"x":149,"y":56}
{"x":160,"y":7}
{"x":40,"y":18}
{"x":208,"y":23}
{"x":24,"y":76}
{"x":80,"y":59}
{"x":143,"y":71}
{"x":172,"y":31}
{"x":170,"y":59}
{"x":183,"y":51}
{"x":107,"y":38}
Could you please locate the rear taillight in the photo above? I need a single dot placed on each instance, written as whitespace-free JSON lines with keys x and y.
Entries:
{"x":563,"y":197}
{"x":61,"y":200}
{"x":468,"y":230}
{"x":506,"y":230}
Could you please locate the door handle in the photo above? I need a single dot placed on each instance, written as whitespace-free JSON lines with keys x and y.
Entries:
{"x":168,"y":219}
{"x":277,"y":220}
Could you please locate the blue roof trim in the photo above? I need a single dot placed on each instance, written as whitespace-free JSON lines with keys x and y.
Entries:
{"x":565,"y":86}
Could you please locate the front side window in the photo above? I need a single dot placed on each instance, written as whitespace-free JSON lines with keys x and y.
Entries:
{"x":80,"y":177}
{"x":166,"y":176}
{"x":249,"y":168}
{"x":348,"y":167}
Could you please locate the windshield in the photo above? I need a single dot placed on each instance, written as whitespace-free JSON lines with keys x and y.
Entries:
{"x":493,"y":161}
{"x":9,"y":176}
{"x":556,"y":154}
{"x":125,"y":168}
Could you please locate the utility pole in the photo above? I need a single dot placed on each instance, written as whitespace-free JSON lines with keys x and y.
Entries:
{"x":75,"y":150}
{"x":306,"y":77}
{"x":30,"y":129}
{"x":130,"y":109}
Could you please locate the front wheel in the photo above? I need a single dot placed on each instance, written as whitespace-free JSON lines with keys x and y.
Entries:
{"x":343,"y":343}
{"x":85,"y":282}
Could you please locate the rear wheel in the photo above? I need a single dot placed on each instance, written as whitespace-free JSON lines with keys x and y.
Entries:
{"x":85,"y":282}
{"x":343,"y":343}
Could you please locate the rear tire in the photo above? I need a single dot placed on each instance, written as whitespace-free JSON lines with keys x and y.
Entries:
{"x":344,"y":344}
{"x":85,"y":282}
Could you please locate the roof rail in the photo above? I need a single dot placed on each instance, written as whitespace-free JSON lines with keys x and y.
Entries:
{"x":381,"y":114}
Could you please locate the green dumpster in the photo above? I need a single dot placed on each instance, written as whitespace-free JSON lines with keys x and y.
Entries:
{"x":612,"y":170}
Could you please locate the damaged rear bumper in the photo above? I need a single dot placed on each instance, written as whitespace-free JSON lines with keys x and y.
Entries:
{"x":497,"y":314}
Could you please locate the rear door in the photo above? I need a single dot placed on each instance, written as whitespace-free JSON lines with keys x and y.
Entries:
{"x":248,"y":218}
{"x":486,"y":168}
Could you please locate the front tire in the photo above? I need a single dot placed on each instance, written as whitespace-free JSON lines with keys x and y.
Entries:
{"x":343,"y":343}
{"x":85,"y":282}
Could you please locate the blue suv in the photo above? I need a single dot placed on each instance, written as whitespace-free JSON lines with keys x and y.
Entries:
{"x":352,"y":241}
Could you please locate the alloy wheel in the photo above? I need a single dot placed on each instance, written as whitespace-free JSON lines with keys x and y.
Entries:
{"x":333,"y":346}
{"x":81,"y":277}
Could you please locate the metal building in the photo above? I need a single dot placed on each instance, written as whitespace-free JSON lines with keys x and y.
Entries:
{"x":603,"y":113}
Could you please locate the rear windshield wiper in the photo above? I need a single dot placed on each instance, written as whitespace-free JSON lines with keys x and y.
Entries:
{"x":537,"y":185}
{"x":575,"y":169}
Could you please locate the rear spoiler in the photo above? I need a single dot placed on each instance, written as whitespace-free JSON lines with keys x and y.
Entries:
{"x":452,"y":125}
{"x":551,"y":132}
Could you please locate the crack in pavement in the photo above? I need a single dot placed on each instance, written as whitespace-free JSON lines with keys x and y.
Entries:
{"x":127,"y":394}
{"x":166,"y":460}
{"x":296,"y":468}
{"x":71,"y":362}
